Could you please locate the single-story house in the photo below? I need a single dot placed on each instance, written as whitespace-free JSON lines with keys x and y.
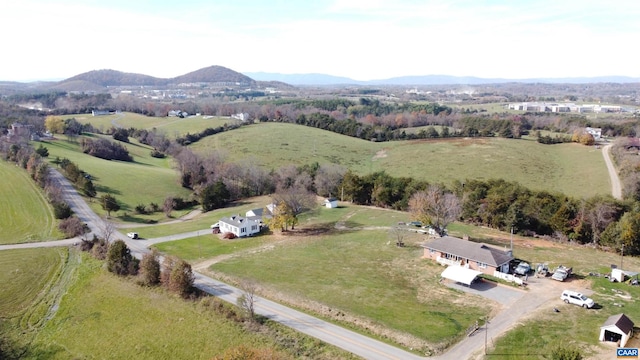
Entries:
{"x":617,"y":328}
{"x":239,"y":226}
{"x":449,"y":250}
{"x":331,"y":203}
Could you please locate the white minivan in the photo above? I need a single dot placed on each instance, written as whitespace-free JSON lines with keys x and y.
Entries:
{"x":576,"y":298}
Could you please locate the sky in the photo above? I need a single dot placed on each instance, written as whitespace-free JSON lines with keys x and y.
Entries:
{"x":358,"y":39}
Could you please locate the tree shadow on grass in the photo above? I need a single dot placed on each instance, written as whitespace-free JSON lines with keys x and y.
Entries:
{"x":107,"y":190}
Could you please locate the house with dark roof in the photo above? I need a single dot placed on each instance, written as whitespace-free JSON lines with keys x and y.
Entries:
{"x":449,"y":250}
{"x":617,"y":328}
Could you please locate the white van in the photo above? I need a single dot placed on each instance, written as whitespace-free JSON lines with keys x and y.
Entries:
{"x":576,"y":298}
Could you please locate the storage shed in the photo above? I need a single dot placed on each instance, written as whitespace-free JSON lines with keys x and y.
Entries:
{"x":617,"y":328}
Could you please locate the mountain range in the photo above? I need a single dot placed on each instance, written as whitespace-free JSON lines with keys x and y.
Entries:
{"x":99,"y":80}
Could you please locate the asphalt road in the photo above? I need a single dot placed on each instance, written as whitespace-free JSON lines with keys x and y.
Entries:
{"x":348,"y":340}
{"x":516,"y":304}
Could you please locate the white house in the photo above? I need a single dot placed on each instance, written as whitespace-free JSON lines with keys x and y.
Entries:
{"x":617,"y":328}
{"x":239,"y":226}
{"x":331,"y":203}
{"x":595,"y":132}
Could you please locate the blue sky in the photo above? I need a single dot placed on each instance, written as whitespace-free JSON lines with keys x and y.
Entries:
{"x":360,"y":39}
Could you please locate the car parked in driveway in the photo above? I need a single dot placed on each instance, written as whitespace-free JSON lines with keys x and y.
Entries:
{"x":522,"y":269}
{"x":576,"y":298}
{"x":133,"y":235}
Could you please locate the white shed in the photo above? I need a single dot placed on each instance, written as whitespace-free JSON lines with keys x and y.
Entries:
{"x":617,"y":328}
{"x":331,"y":203}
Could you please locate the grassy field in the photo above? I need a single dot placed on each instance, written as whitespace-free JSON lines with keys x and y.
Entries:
{"x":145,"y":180}
{"x":172,"y":127}
{"x":31,"y":280}
{"x":573,"y":169}
{"x":102,"y":316}
{"x":29,"y":219}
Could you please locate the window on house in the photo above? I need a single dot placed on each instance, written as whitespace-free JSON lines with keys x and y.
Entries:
{"x":243,"y":230}
{"x":482,"y":265}
{"x":432,"y":251}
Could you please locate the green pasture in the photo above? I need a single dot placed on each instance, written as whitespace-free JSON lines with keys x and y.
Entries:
{"x":25,"y":213}
{"x":572,"y":169}
{"x":24,"y":273}
{"x":172,"y":127}
{"x":360,"y":273}
{"x":145,"y":180}
{"x":102,"y":316}
{"x":33,"y":281}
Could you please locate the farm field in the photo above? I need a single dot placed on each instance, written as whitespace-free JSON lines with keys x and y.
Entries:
{"x":572,"y":169}
{"x":172,"y":127}
{"x":104,"y":316}
{"x":143,"y":181}
{"x":25,"y":213}
{"x":28,"y":278}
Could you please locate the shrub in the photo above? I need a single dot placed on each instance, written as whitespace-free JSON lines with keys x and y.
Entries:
{"x":72,"y":227}
{"x":140,"y":209}
{"x":119,"y":259}
{"x":229,"y":235}
{"x":61,"y":210}
{"x":157,"y":154}
{"x":150,"y":269}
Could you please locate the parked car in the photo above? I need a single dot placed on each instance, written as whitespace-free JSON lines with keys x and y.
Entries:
{"x":522,"y":269}
{"x":133,"y":235}
{"x":561,"y":273}
{"x":576,"y":298}
{"x":542,"y":270}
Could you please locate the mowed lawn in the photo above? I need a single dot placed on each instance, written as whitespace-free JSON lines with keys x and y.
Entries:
{"x":143,"y":181}
{"x":172,"y":127}
{"x":25,"y":214}
{"x":573,"y":169}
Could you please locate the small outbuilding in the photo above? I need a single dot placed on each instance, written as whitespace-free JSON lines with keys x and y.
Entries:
{"x":331,"y":203}
{"x":617,"y":328}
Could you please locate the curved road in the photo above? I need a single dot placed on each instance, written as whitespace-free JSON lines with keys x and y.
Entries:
{"x":348,"y":340}
{"x":616,"y":187}
{"x":541,"y":292}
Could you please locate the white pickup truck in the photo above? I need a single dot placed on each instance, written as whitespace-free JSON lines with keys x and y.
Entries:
{"x":561,"y":273}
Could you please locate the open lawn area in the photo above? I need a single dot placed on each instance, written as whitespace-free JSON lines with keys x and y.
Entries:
{"x":572,"y":169}
{"x":172,"y":127}
{"x":25,"y":213}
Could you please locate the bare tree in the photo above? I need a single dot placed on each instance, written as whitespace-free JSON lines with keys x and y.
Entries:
{"x":107,"y":229}
{"x":295,"y":201}
{"x":600,"y":216}
{"x":397,"y":233}
{"x":328,"y":178}
{"x":247,"y":300}
{"x":435,"y":207}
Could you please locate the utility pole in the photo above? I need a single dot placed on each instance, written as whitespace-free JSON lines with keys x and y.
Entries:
{"x":621,"y":256}
{"x":512,"y":240}
{"x":486,"y":331}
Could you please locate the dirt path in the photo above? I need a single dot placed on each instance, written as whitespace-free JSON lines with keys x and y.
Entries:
{"x":616,"y":187}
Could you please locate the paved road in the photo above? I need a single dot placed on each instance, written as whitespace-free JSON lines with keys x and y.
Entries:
{"x":616,"y":188}
{"x":517,"y":304}
{"x":348,"y":340}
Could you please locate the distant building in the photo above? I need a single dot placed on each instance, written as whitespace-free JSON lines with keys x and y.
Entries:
{"x":595,"y":132}
{"x":331,"y":203}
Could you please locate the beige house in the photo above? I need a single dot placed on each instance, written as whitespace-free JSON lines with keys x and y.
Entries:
{"x":449,"y":250}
